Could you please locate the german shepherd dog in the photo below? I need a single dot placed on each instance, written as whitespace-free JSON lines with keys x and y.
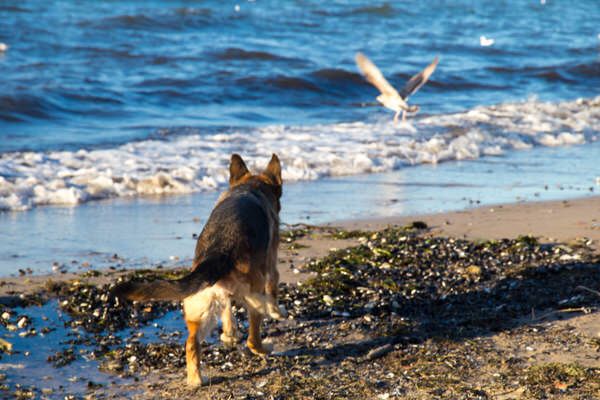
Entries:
{"x":235,"y":260}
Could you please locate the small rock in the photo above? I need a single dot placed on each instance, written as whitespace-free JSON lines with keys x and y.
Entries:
{"x":5,"y":345}
{"x":23,"y":322}
{"x":327,"y":300}
{"x":261,"y":384}
{"x":473,"y":270}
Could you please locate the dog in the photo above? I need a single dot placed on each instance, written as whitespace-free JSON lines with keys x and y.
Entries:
{"x":235,"y":260}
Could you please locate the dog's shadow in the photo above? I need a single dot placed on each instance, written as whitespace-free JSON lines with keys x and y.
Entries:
{"x":539,"y":295}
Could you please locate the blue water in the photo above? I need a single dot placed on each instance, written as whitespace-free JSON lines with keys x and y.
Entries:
{"x":209,"y":78}
{"x":92,"y":74}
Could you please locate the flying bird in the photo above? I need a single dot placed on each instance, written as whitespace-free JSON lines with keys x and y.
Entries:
{"x":389,"y":96}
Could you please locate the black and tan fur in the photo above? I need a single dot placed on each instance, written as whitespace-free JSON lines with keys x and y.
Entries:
{"x":235,"y":260}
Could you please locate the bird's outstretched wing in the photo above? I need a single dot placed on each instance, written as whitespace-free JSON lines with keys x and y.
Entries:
{"x":374,"y":75}
{"x":418,"y":80}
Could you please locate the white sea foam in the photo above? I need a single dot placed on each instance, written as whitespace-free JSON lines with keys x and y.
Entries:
{"x":198,"y":162}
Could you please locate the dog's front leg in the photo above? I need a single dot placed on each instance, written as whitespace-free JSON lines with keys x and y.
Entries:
{"x":192,"y":358}
{"x":274,"y":309}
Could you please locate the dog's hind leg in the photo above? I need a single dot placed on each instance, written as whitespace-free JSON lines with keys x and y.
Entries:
{"x":191,"y":354}
{"x":254,"y":342}
{"x":229,"y":337}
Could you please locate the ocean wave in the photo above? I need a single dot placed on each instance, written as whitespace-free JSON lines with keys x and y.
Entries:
{"x":196,"y":162}
{"x":381,"y":11}
{"x":54,"y":106}
{"x":22,"y":107}
{"x":384,"y":10}
{"x":237,"y":54}
{"x":338,"y":75}
{"x":176,"y":19}
{"x":566,"y":72}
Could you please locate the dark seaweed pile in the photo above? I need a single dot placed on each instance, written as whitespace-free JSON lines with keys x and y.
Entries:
{"x":97,"y":310}
{"x":446,"y":282}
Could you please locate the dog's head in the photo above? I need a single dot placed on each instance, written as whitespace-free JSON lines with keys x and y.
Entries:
{"x":268,"y":181}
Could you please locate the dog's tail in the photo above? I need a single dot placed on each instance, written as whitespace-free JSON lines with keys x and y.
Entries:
{"x":207,"y":273}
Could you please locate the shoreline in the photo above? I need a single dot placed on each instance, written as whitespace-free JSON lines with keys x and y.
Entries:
{"x":510,"y":308}
{"x":146,"y":231}
{"x":548,"y":221}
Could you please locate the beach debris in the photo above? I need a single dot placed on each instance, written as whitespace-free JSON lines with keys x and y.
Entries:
{"x":379,"y":352}
{"x":62,"y":357}
{"x":59,"y":268}
{"x":328,"y":300}
{"x":545,"y":379}
{"x":473,"y":270}
{"x":419,"y":225}
{"x":23,"y":322}
{"x":597,"y":293}
{"x":144,"y":357}
{"x":390,"y":97}
{"x":485,"y":41}
{"x":5,"y":345}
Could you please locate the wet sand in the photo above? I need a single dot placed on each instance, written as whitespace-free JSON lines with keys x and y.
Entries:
{"x":524,"y":325}
{"x":549,"y":221}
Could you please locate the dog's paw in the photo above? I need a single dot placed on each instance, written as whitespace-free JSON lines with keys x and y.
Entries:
{"x":229,"y":341}
{"x":195,"y":380}
{"x":277,"y":313}
{"x":261,"y":349}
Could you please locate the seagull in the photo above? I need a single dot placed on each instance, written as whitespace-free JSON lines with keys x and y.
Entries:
{"x":389,"y":96}
{"x":485,"y":41}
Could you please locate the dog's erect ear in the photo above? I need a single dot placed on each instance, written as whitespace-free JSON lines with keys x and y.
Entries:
{"x":274,"y":169}
{"x":237,"y":169}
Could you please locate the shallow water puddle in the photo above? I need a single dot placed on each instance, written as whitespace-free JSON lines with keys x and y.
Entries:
{"x":51,"y":358}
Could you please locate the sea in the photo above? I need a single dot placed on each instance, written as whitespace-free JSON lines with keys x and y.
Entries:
{"x":118,"y":118}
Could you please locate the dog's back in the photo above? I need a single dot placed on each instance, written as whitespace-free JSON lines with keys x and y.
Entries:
{"x":240,"y":231}
{"x":238,"y":226}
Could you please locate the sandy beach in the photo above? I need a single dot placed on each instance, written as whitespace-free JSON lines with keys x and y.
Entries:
{"x":524,"y":328}
{"x":549,"y":221}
